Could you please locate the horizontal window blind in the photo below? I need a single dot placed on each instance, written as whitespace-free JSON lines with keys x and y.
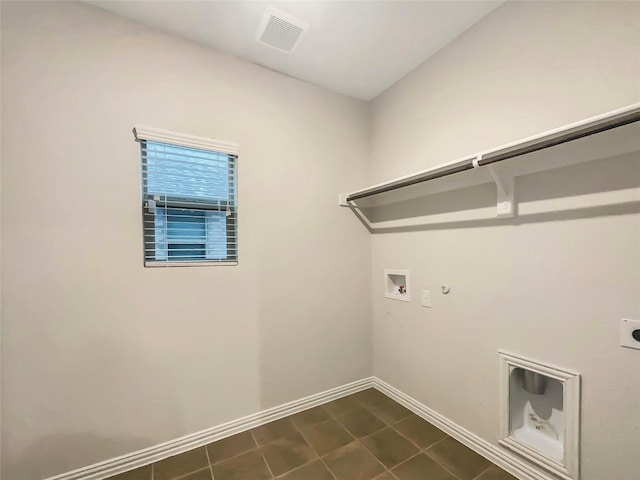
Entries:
{"x":189,"y":204}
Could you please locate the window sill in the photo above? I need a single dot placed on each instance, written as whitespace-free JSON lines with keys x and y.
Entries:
{"x":203,"y":263}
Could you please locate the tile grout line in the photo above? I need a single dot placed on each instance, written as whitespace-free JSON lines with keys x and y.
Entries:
{"x":328,"y":469}
{"x":436,"y":443}
{"x":406,"y":460}
{"x":386,"y":425}
{"x":294,"y":469}
{"x":298,"y":430}
{"x":421,"y":450}
{"x":258,"y":447}
{"x":268,"y":466}
{"x":391,"y":426}
{"x":316,"y":458}
{"x":444,"y":467}
{"x":232,"y":457}
{"x":206,"y":450}
{"x":236,"y":455}
{"x":424,"y":450}
{"x":371,"y":433}
{"x":356,"y":439}
{"x":321,"y":422}
{"x":335,"y":401}
{"x":259,"y":450}
{"x":183,"y":475}
{"x":482,"y":472}
{"x":364,"y":405}
{"x":359,"y":442}
{"x":388,"y":470}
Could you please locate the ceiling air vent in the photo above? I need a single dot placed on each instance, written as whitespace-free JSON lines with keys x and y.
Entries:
{"x":280,"y":30}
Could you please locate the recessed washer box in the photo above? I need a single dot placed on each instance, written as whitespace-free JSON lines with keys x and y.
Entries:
{"x":396,"y":284}
{"x":540,"y":414}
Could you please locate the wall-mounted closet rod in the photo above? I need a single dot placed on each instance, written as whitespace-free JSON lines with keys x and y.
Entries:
{"x":555,"y":137}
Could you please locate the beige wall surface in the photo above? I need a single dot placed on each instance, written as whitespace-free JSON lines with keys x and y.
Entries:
{"x":100,"y":356}
{"x":551,"y":286}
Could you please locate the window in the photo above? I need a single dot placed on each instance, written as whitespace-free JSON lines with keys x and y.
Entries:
{"x":189,"y":208}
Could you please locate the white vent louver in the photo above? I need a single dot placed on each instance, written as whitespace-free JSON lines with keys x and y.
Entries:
{"x":280,"y":30}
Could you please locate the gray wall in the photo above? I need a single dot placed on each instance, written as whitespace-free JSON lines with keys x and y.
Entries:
{"x":551,"y":284}
{"x":101,"y":357}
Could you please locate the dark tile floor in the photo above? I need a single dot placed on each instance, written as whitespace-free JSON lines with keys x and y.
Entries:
{"x":366,"y":436}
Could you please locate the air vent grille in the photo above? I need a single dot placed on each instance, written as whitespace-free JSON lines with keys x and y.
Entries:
{"x":280,"y":30}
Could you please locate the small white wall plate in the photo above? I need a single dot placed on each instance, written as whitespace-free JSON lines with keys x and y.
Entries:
{"x":627,"y":327}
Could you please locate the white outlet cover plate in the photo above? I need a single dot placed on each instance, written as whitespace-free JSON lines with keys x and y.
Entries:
{"x":627,"y":326}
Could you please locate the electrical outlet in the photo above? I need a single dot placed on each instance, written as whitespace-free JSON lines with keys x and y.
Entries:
{"x":630,"y":333}
{"x":426,"y":298}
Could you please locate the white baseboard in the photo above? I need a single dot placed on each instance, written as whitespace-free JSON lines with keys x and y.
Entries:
{"x":505,"y":460}
{"x":495,"y":454}
{"x":114,"y":466}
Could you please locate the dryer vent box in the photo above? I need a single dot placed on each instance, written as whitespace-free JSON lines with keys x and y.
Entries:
{"x":540,"y":414}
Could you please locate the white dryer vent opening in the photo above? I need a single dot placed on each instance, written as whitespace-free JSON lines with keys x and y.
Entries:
{"x":280,"y":30}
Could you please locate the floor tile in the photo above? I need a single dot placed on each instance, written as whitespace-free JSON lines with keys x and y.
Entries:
{"x":249,"y":465}
{"x":458,"y":459}
{"x":369,"y":396}
{"x":388,"y":410}
{"x":143,"y":473}
{"x":353,"y":462}
{"x":361,"y":422}
{"x":421,"y":467}
{"x":273,"y":431}
{"x":312,"y":471}
{"x":419,"y":431}
{"x":389,"y":447}
{"x":287,"y":453}
{"x":341,"y":406}
{"x":187,"y":462}
{"x":230,"y":447}
{"x":204,"y":474}
{"x":310,"y":417}
{"x":327,"y":437}
{"x":496,"y":473}
{"x":390,"y":435}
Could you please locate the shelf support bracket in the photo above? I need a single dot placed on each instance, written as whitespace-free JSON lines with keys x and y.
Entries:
{"x":505,"y":205}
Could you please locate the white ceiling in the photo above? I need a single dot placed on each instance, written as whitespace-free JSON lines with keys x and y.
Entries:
{"x":358,"y":48}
